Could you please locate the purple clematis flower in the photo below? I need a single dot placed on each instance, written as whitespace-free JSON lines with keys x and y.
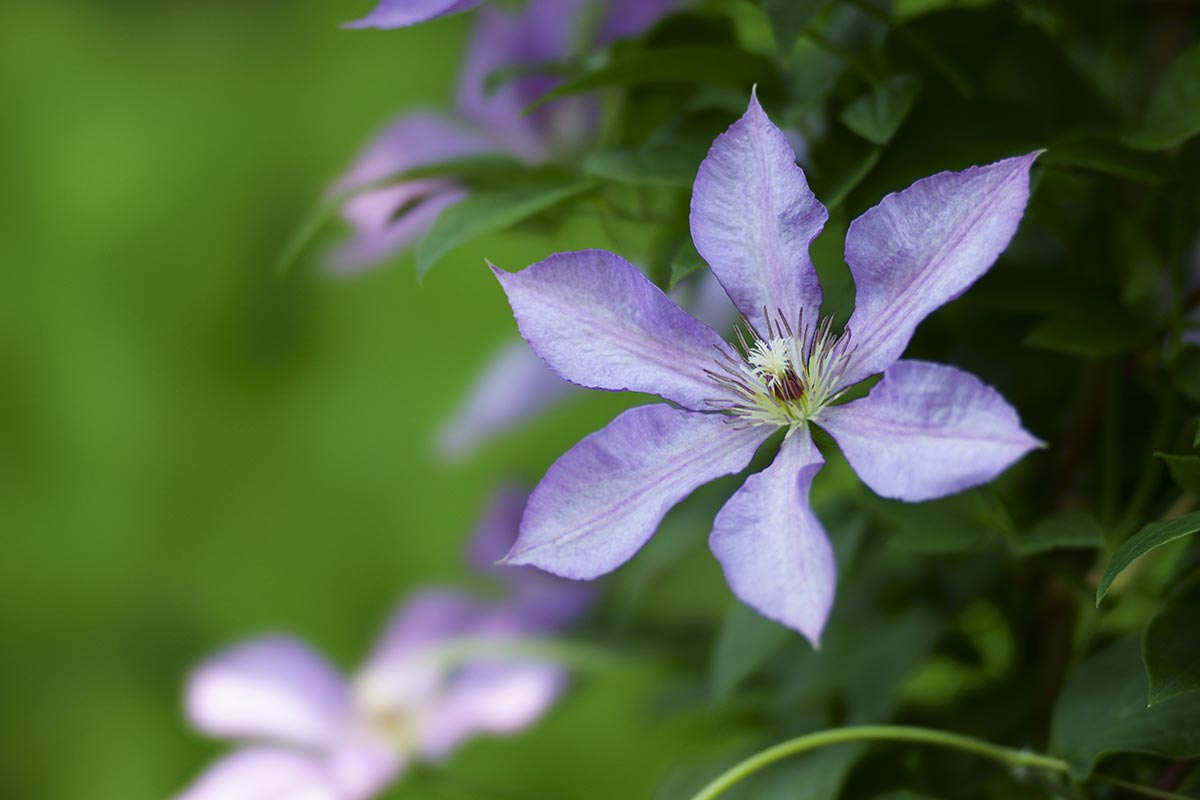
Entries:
{"x":391,"y":218}
{"x":319,"y":736}
{"x":924,"y":431}
{"x":516,"y":385}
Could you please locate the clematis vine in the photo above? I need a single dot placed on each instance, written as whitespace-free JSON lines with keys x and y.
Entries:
{"x":923,"y":431}
{"x":390,"y":218}
{"x":315,"y":735}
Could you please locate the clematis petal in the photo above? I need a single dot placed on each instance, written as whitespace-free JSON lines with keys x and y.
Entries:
{"x":627,"y":18}
{"x":774,"y":552}
{"x":362,"y":763}
{"x":490,"y":697}
{"x":429,"y":617}
{"x":391,"y":14}
{"x":389,"y":220}
{"x":273,"y":688}
{"x":924,"y":246}
{"x":514,"y":386}
{"x":928,"y":430}
{"x":414,"y":140}
{"x":539,"y":602}
{"x":603,"y":499}
{"x":264,"y":773}
{"x":540,"y":33}
{"x":753,"y":218}
{"x":597,"y":321}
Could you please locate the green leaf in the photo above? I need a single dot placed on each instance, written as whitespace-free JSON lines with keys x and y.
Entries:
{"x":1171,"y":652}
{"x":704,"y":64}
{"x":851,"y":175}
{"x":1174,"y":112}
{"x":1102,"y":710}
{"x":663,"y":161}
{"x":789,"y":18}
{"x":877,"y":115}
{"x":685,"y":261}
{"x":951,"y":524}
{"x":1185,"y":470}
{"x":489,"y":211}
{"x":1071,"y":529}
{"x":1156,"y":534}
{"x":1089,"y":335}
{"x":745,"y":642}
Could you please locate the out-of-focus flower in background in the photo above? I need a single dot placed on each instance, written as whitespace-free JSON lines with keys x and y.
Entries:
{"x":433,"y":680}
{"x":924,"y":431}
{"x":487,"y":119}
{"x":403,"y":13}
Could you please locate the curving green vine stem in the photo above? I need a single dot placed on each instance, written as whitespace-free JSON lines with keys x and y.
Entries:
{"x":906,"y":733}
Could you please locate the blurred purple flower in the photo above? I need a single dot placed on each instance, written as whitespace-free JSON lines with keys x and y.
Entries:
{"x":388,"y":219}
{"x":626,"y":17}
{"x":403,"y":13}
{"x":924,"y":431}
{"x":315,"y":735}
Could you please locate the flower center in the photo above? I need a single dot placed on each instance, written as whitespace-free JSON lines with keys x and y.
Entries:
{"x":786,"y":377}
{"x":395,"y":706}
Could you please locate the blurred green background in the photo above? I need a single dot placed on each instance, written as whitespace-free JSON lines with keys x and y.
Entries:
{"x":193,"y":450}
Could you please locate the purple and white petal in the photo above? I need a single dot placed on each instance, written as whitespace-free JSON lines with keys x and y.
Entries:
{"x":774,"y":552}
{"x":924,"y":246}
{"x":264,"y":773}
{"x":604,"y":498}
{"x":274,"y":688}
{"x":362,"y":763}
{"x":414,"y":140}
{"x":389,"y":220}
{"x":391,"y":14}
{"x":753,"y":218}
{"x":598,"y":322}
{"x":928,"y":430}
{"x":514,"y":386}
{"x":496,"y":697}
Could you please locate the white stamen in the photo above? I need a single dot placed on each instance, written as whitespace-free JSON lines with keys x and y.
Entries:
{"x":776,"y":381}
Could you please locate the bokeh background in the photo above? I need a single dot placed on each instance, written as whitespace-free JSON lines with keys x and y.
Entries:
{"x":195,"y":450}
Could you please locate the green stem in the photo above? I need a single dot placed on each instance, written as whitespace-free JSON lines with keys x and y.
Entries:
{"x":886,"y":733}
{"x":904,"y":733}
{"x":576,"y":655}
{"x":1137,"y":788}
